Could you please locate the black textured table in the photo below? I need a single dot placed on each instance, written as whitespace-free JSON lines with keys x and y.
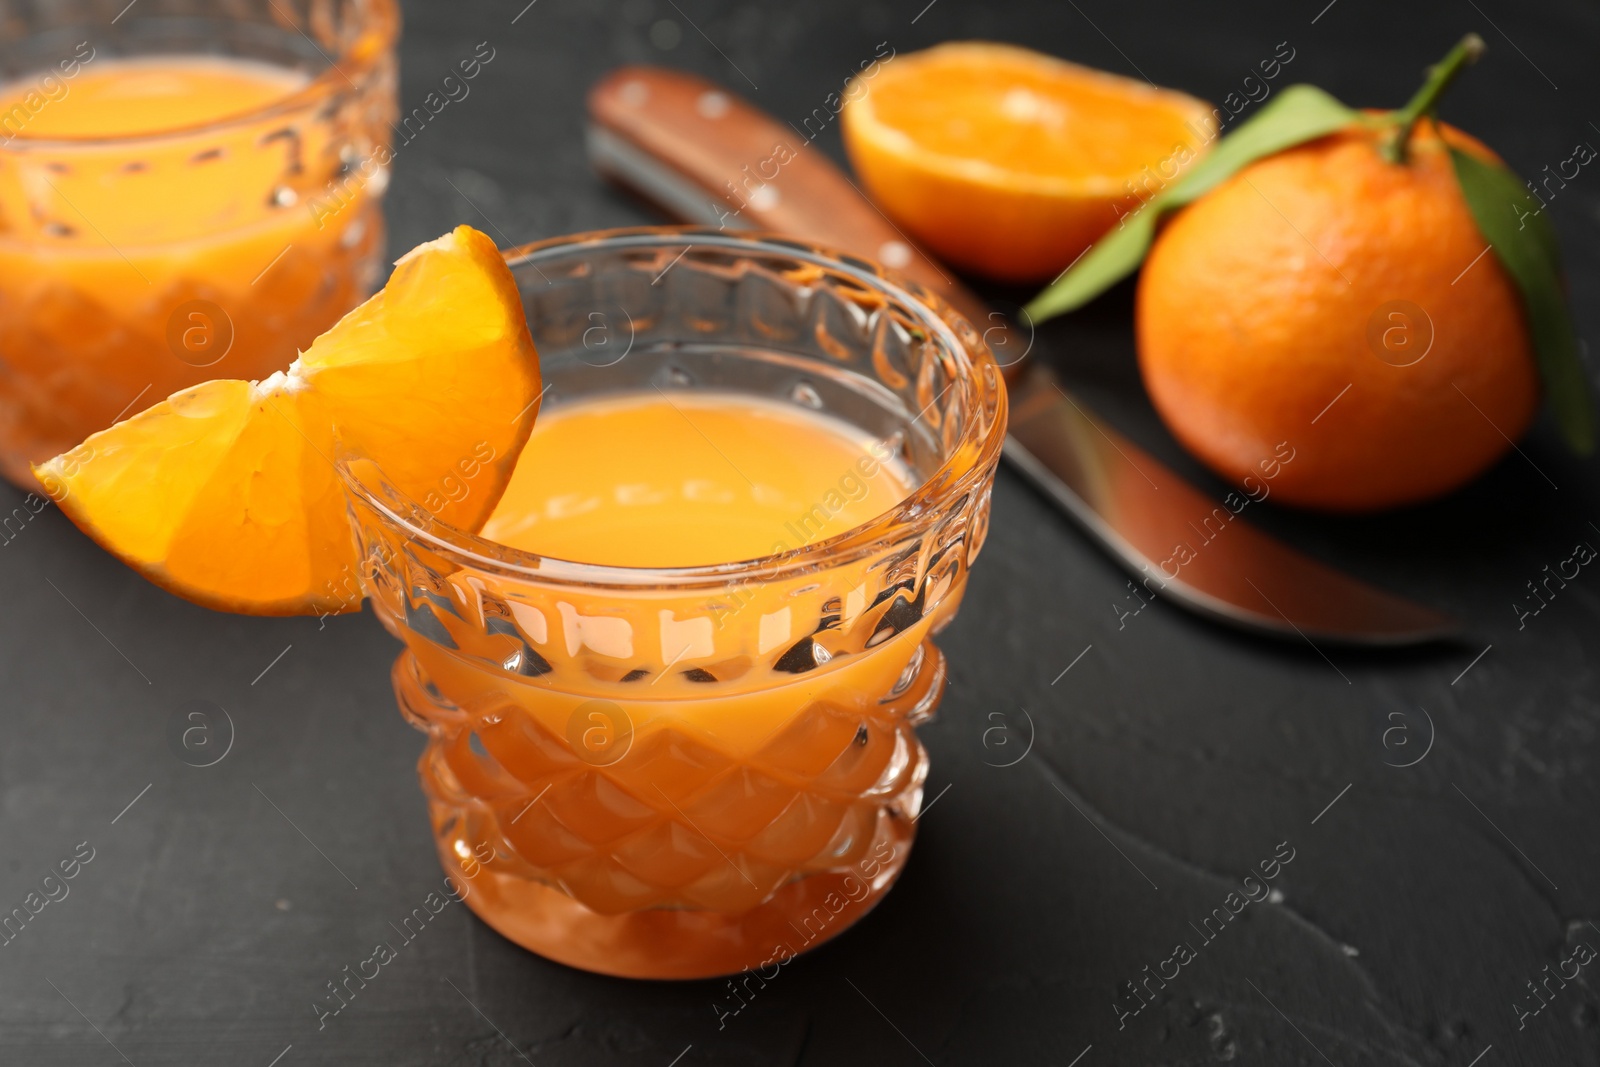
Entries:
{"x":211,"y":905}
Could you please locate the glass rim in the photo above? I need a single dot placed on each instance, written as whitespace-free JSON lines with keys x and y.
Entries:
{"x":964,"y":470}
{"x":378,"y":37}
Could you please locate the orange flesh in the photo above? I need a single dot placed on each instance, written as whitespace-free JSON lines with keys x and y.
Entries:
{"x":1037,"y":120}
{"x":95,"y":263}
{"x":1009,"y":163}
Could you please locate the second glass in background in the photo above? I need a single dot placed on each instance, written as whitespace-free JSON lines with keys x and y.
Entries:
{"x":183,"y":196}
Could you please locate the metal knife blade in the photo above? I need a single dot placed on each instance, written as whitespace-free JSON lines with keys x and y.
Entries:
{"x":703,"y":155}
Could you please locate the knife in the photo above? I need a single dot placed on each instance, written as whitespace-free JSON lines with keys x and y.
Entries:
{"x":703,"y":155}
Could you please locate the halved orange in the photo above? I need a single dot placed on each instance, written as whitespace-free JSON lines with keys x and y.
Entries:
{"x":227,"y":494}
{"x":1008,"y":162}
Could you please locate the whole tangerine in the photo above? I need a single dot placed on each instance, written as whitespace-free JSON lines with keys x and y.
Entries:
{"x":1340,"y":302}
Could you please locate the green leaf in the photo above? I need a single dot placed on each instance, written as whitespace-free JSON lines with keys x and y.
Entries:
{"x":1525,"y":243}
{"x":1299,"y":114}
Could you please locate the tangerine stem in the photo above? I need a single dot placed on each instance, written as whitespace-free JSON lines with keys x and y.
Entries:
{"x":1440,"y":76}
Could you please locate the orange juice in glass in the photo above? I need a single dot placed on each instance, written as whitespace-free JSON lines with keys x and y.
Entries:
{"x":159,"y":176}
{"x":670,"y":688}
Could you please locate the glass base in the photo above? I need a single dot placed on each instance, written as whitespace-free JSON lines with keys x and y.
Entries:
{"x":576,"y":863}
{"x":680,"y":942}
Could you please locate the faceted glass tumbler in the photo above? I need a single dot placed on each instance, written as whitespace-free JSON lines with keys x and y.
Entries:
{"x":685,"y":772}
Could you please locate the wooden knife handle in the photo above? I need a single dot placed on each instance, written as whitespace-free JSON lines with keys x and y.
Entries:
{"x":752,"y":171}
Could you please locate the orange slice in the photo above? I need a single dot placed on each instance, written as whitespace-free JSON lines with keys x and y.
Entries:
{"x":1010,"y":163}
{"x":227,"y":494}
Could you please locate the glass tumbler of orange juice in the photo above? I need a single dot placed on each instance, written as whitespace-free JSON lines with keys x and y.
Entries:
{"x":161,"y":170}
{"x":670,"y":687}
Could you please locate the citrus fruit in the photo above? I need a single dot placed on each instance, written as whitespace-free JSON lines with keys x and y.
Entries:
{"x":227,"y":493}
{"x":1330,"y":300}
{"x":1010,"y":163}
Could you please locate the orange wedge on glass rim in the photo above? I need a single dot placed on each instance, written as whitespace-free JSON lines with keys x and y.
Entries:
{"x":1008,"y":162}
{"x":227,"y":494}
